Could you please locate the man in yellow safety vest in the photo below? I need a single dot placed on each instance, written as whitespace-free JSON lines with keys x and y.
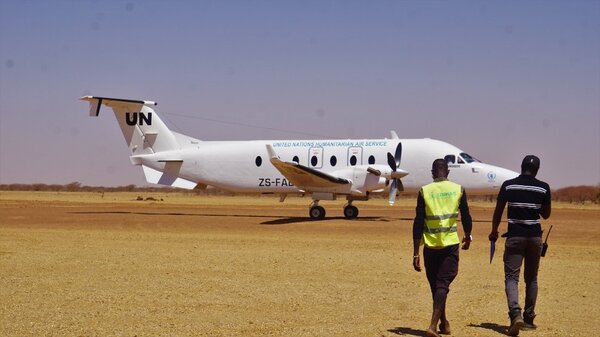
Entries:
{"x":438,"y":205}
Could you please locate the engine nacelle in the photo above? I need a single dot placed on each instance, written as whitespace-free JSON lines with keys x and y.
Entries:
{"x":364,"y":180}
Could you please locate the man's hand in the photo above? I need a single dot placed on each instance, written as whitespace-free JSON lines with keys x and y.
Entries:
{"x":493,"y":235}
{"x":466,"y":241}
{"x":417,"y":262}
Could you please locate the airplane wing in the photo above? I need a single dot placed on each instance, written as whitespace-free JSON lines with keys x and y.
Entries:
{"x":302,"y":176}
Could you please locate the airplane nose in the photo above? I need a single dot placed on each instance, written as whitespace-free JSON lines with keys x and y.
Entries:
{"x":497,"y":175}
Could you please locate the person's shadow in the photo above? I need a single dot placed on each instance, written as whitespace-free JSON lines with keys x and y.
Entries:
{"x":404,"y":331}
{"x":407,"y":331}
{"x":503,"y":329}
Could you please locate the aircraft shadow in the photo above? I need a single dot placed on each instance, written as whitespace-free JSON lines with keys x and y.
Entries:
{"x":277,"y":219}
{"x":403,"y":331}
{"x":502,"y":329}
{"x":290,"y":220}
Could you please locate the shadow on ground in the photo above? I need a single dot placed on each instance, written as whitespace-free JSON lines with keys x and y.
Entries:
{"x":403,"y":331}
{"x":285,"y":221}
{"x":278,"y":220}
{"x":502,"y":329}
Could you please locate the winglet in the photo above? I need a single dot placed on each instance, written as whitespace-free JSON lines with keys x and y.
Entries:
{"x":394,"y":134}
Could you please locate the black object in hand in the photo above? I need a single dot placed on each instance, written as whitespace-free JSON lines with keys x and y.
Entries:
{"x":544,"y":249}
{"x":545,"y":244}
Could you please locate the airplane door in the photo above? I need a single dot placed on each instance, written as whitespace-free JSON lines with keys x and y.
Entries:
{"x":355,"y":155}
{"x":315,"y":157}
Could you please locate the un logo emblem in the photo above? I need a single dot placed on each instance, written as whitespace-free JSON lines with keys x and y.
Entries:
{"x":491,"y":176}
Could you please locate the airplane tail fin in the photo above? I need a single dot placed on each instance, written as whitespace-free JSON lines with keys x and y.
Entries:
{"x":144,"y":131}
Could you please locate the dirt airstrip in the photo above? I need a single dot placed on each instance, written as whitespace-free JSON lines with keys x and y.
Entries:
{"x":91,"y":264}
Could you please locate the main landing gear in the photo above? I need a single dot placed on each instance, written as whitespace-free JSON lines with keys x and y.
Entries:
{"x":317,"y":212}
{"x":350,"y":212}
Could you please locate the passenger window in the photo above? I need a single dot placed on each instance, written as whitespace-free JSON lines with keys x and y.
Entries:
{"x":314,"y":161}
{"x":371,"y":160}
{"x":333,"y":160}
{"x":450,"y":159}
{"x":296,"y":159}
{"x":258,"y":161}
{"x":353,"y":160}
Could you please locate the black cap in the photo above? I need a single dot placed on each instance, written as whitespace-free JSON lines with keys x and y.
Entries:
{"x":530,"y":163}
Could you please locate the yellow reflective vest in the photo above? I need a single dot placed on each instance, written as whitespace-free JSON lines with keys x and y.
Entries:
{"x":442,"y":200}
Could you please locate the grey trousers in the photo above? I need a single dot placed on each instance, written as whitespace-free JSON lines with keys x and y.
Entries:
{"x":516,"y":250}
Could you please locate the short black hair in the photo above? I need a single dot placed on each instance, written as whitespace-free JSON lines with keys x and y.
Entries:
{"x":530,"y":163}
{"x":439,"y":164}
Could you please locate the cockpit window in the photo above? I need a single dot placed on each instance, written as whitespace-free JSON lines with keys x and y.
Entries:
{"x":450,"y":159}
{"x":468,"y":158}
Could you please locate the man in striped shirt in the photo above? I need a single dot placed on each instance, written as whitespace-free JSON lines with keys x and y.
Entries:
{"x":527,"y":199}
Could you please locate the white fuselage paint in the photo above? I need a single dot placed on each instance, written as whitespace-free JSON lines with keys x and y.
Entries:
{"x":232,"y":165}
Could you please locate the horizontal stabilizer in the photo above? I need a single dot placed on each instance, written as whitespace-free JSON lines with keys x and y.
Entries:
{"x":96,"y":102}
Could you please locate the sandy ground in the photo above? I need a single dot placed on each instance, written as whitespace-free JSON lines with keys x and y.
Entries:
{"x":90,"y":264}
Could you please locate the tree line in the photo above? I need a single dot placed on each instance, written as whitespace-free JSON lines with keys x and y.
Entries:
{"x":571,"y":194}
{"x":78,"y":187}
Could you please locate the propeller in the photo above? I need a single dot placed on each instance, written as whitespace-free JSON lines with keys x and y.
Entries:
{"x":394,"y":162}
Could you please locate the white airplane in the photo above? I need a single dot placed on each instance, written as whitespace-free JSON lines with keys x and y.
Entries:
{"x":356,"y":169}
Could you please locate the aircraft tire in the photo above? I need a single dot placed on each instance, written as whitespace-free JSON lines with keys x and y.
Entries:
{"x":317,"y":213}
{"x":350,"y":212}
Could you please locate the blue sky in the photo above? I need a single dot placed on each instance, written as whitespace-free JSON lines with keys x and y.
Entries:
{"x":498,"y":79}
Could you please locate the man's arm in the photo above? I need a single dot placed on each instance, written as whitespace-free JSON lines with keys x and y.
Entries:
{"x":466,"y":220}
{"x":547,"y":205}
{"x":418,"y":228}
{"x":496,"y":218}
{"x":545,"y":211}
{"x":501,"y":200}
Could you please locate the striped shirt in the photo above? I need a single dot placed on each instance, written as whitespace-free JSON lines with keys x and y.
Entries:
{"x":525,"y":196}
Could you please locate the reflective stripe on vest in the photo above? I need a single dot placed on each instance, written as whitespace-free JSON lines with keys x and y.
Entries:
{"x":441,"y":217}
{"x":440,"y":230}
{"x":442,"y":200}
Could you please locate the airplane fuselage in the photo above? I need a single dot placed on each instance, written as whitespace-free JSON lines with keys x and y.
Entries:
{"x":243,"y":166}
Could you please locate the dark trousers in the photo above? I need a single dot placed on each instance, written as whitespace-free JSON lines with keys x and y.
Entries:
{"x":516,"y":250}
{"x":441,"y":267}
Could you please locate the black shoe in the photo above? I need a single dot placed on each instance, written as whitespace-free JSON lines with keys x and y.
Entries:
{"x":515,"y":325}
{"x":528,"y":325}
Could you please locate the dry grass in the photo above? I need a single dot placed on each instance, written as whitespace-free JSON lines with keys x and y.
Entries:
{"x":79,"y":264}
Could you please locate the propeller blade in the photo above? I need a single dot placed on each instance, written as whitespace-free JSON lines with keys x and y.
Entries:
{"x":392,"y":162}
{"x":399,"y":186}
{"x":393,"y":190}
{"x":398,"y":154}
